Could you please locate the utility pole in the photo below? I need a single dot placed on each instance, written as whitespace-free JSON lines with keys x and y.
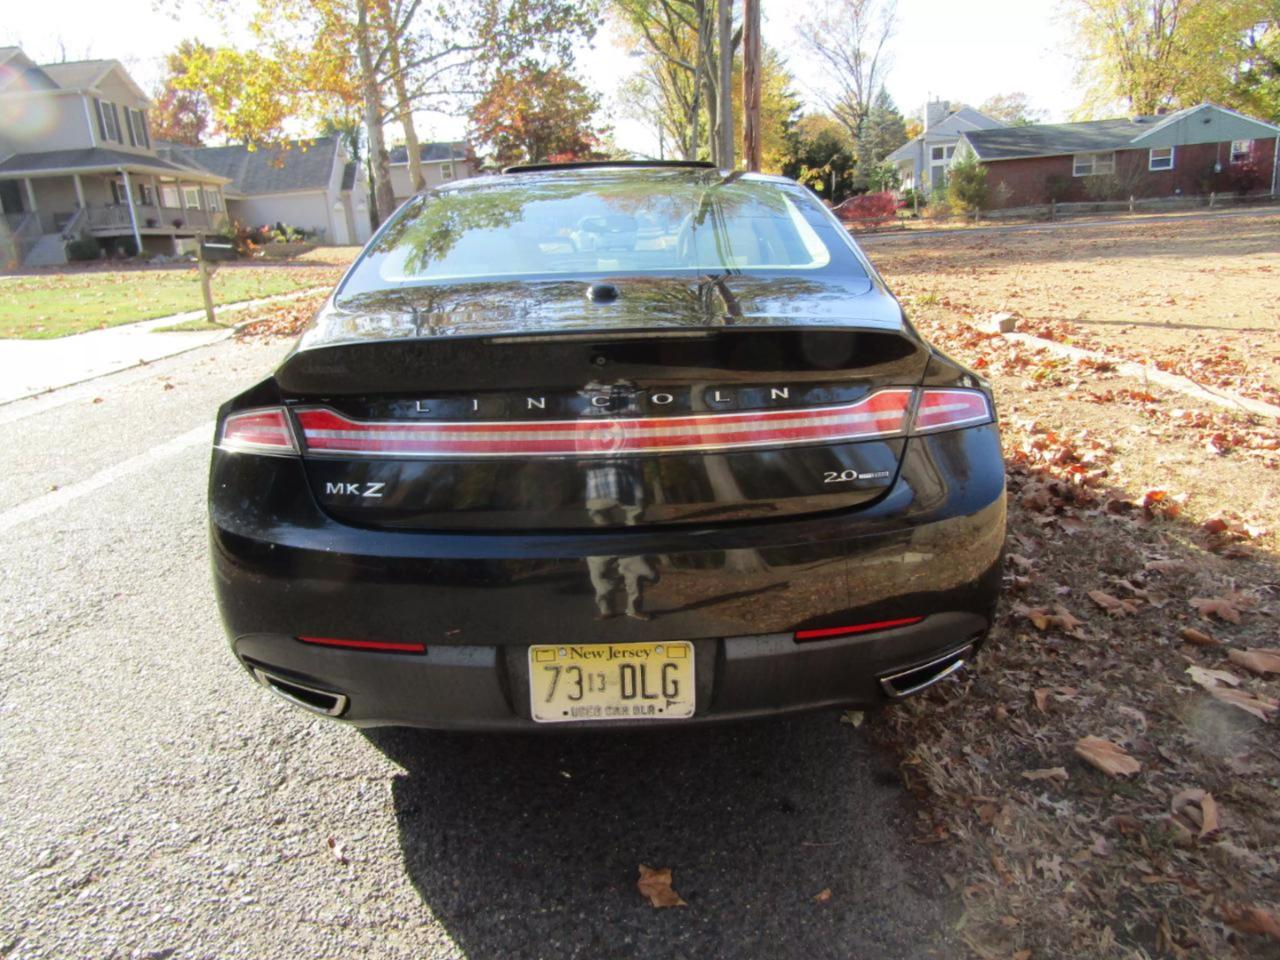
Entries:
{"x":751,"y":83}
{"x":724,"y":114}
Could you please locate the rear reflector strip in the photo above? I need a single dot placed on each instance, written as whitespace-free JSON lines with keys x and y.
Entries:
{"x":942,"y":409}
{"x":258,"y":431}
{"x":827,"y":633}
{"x":882,"y":414}
{"x":366,"y":645}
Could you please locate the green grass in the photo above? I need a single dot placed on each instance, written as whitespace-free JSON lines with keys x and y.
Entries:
{"x":58,"y":304}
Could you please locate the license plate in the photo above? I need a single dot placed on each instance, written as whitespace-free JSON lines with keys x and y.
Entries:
{"x":611,"y":681}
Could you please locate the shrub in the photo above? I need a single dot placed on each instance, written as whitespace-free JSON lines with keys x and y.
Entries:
{"x":869,"y":208}
{"x":82,"y":249}
{"x":1002,"y":194}
{"x":912,"y":197}
{"x":884,"y":176}
{"x":939,"y":208}
{"x":1245,"y":177}
{"x":967,"y":185}
{"x":1056,"y":187}
{"x":1104,"y":186}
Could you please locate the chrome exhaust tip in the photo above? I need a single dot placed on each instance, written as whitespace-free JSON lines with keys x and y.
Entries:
{"x":907,"y":682}
{"x":324,"y":702}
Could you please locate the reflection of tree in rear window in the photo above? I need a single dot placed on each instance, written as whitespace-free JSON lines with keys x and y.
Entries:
{"x":603,"y":224}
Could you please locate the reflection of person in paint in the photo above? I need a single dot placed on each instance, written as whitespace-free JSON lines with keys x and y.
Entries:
{"x":615,"y":490}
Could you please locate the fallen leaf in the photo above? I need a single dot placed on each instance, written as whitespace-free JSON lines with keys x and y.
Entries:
{"x":339,"y":850}
{"x":1218,"y":607}
{"x":1212,"y":678}
{"x":1199,"y":808}
{"x":1051,"y":866}
{"x":1113,"y":605}
{"x":1050,"y":773}
{"x":1197,"y":637}
{"x":1041,"y":695}
{"x":1253,"y":920}
{"x":1108,"y":757}
{"x":822,"y":896}
{"x":1165,"y":566}
{"x":1258,"y":660}
{"x":853,"y":718}
{"x":655,"y":886}
{"x":1260,"y":707}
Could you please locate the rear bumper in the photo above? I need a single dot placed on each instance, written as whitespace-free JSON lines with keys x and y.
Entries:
{"x":929,"y":548}
{"x":485,"y":687}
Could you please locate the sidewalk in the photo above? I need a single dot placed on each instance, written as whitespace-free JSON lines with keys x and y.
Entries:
{"x":32,"y":367}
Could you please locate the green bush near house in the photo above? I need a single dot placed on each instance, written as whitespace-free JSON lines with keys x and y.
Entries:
{"x":1056,"y":187}
{"x":82,"y":249}
{"x":967,"y":185}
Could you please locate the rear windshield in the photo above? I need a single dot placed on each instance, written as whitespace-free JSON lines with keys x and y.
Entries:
{"x":627,"y":223}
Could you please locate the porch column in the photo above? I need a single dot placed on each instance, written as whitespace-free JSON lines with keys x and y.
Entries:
{"x":133,"y":214}
{"x":79,"y":190}
{"x":31,"y":194}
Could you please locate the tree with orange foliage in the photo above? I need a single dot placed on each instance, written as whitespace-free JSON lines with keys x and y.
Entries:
{"x":534,"y":113}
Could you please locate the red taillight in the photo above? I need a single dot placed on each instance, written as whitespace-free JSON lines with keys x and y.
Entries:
{"x":829,"y":633}
{"x":947,"y":409}
{"x":265,"y":430}
{"x":385,"y":646}
{"x":883,"y":414}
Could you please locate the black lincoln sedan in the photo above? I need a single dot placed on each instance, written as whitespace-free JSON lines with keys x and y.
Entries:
{"x":607,"y":445}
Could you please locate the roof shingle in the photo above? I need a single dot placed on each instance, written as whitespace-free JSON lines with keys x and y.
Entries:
{"x":431,"y":152}
{"x":299,"y":165}
{"x":1051,"y":139}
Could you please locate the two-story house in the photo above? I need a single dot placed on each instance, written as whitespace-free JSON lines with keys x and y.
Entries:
{"x":922,"y":161}
{"x":77,"y":161}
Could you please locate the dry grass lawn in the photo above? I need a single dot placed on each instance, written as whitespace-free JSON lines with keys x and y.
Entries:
{"x":1142,"y":582}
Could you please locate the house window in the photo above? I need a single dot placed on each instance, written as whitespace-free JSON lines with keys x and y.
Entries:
{"x":938,"y":176}
{"x":1093,"y":164}
{"x":140,"y":128}
{"x":937,"y":153}
{"x":110,"y":121}
{"x":169,"y":196}
{"x":145,"y":196}
{"x":128,"y":123}
{"x":446,"y":171}
{"x":212,"y":201}
{"x":1160,"y":158}
{"x":1240,"y":150}
{"x":192,"y":197}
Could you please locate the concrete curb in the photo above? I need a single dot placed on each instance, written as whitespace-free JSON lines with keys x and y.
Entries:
{"x":1147,"y":374}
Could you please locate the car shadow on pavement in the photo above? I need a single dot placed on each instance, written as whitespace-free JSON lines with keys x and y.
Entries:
{"x":528,"y":846}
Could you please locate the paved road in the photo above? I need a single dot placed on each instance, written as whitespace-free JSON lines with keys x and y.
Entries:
{"x":157,"y":804}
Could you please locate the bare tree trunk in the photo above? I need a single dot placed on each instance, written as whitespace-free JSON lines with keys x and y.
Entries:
{"x":384,"y":200}
{"x":725,"y":113}
{"x":404,"y":109}
{"x":751,"y":83}
{"x":699,"y":67}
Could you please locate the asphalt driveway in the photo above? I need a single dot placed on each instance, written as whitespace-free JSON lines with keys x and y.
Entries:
{"x":158,"y":804}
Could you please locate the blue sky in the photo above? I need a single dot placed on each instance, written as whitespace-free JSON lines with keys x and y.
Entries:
{"x":966,"y":51}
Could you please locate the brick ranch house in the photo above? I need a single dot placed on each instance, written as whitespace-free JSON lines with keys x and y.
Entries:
{"x":1192,"y":152}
